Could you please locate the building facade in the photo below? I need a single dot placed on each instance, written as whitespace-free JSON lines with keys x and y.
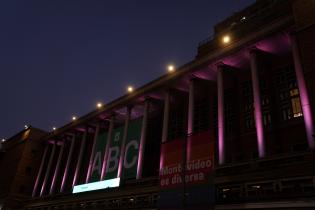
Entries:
{"x":20,"y":157}
{"x":236,"y":123}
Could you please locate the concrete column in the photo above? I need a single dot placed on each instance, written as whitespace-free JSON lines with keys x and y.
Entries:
{"x":221,"y":117}
{"x":78,"y":166}
{"x":40,"y":171}
{"x":257,"y":104}
{"x":190,"y":127}
{"x":53,"y":184}
{"x":166,"y":117}
{"x":123,"y":144}
{"x":304,"y":97}
{"x":143,"y":138}
{"x":65,"y":174}
{"x":51,"y":158}
{"x":88,"y":176}
{"x":109,"y":138}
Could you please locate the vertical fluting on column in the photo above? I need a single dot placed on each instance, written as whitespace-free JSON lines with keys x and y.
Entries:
{"x":221,"y":117}
{"x":304,"y":97}
{"x":40,"y":171}
{"x":123,"y":144}
{"x":257,"y":103}
{"x":51,"y":158}
{"x":109,"y":138}
{"x":65,"y":174}
{"x":143,"y":139}
{"x":88,"y":176}
{"x":57,"y":169}
{"x":166,"y":116}
{"x":78,"y":166}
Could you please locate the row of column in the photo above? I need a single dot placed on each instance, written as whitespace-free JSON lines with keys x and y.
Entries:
{"x":254,"y":67}
{"x":65,"y":176}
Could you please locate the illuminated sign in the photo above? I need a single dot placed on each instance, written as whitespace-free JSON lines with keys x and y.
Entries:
{"x":96,"y":185}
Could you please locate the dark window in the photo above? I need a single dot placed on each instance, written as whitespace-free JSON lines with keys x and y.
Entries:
{"x":176,"y":123}
{"x":28,"y":170}
{"x":33,"y":152}
{"x":248,"y":105}
{"x":201,"y":114}
{"x":22,"y":189}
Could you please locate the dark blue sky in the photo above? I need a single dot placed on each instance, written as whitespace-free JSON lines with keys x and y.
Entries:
{"x":58,"y":58}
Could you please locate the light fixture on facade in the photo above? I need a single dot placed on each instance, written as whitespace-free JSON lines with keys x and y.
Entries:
{"x":226,"y":39}
{"x":99,"y":105}
{"x":170,"y":68}
{"x":74,"y":118}
{"x":25,"y":126}
{"x":54,"y":128}
{"x":2,"y":140}
{"x":130,"y":89}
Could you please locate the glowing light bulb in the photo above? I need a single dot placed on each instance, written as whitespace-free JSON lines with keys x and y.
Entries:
{"x":171,"y":68}
{"x":130,"y":89}
{"x":226,"y":39}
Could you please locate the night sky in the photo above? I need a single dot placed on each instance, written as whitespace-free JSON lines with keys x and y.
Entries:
{"x":58,"y":58}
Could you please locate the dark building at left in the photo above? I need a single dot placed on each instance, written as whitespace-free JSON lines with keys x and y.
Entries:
{"x":20,"y":157}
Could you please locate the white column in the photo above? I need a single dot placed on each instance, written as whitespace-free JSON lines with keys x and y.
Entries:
{"x":143,"y":139}
{"x":65,"y":174}
{"x":88,"y":176}
{"x":109,"y":138}
{"x":305,"y":101}
{"x":48,"y":169}
{"x":40,"y":171}
{"x":221,"y":128}
{"x":53,"y":184}
{"x":166,"y":117}
{"x":78,"y":166}
{"x":123,"y":144}
{"x":257,"y":104}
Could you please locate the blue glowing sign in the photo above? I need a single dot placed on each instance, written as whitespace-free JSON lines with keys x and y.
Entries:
{"x":96,"y":185}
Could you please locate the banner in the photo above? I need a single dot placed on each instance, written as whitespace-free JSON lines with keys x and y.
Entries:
{"x":198,"y":188}
{"x":114,"y":153}
{"x":98,"y":157}
{"x":132,"y":149}
{"x":199,"y":161}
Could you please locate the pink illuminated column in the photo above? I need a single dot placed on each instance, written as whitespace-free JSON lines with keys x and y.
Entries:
{"x":65,"y":174}
{"x":305,"y":102}
{"x":53,"y":184}
{"x":48,"y":169}
{"x":123,"y":144}
{"x":221,"y":129}
{"x":166,"y":116}
{"x":109,"y":138}
{"x":143,"y":139}
{"x":190,"y":128}
{"x":78,"y":166}
{"x":92,"y":153}
{"x":257,"y":103}
{"x":40,"y":171}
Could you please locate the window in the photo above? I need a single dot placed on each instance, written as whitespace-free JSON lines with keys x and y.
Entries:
{"x":248,"y":105}
{"x":28,"y":170}
{"x":288,"y":93}
{"x":176,"y":123}
{"x":201,"y":114}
